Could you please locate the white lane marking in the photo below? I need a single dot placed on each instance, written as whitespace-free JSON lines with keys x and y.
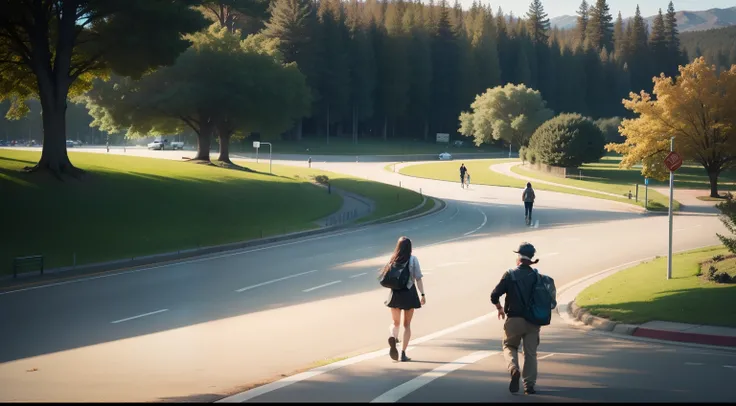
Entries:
{"x":730,"y":366}
{"x":406,"y":388}
{"x":546,"y":356}
{"x":274,"y":281}
{"x":261,"y":390}
{"x":139,"y":316}
{"x":457,"y":210}
{"x":485,"y":220}
{"x":358,"y":275}
{"x":320,"y":286}
{"x":693,"y":363}
{"x":207,"y":258}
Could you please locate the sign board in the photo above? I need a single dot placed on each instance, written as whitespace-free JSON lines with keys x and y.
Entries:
{"x":673,"y":161}
{"x":646,"y":181}
{"x":256,"y":144}
{"x":445,"y":138}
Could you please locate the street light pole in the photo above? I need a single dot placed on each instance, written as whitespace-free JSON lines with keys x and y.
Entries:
{"x":270,"y":151}
{"x":672,"y":185}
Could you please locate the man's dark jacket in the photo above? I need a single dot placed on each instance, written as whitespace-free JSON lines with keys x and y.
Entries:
{"x":513,"y":306}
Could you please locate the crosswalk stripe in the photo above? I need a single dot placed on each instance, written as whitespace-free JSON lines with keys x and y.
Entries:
{"x":406,"y":388}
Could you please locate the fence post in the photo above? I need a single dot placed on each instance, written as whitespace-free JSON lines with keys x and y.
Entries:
{"x":637,"y":192}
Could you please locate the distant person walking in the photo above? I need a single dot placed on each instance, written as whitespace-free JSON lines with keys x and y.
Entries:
{"x":403,"y":275}
{"x":528,"y":198}
{"x":463,"y":171}
{"x":530,"y":298}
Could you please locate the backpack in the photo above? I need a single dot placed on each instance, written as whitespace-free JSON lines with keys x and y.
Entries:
{"x":543,"y":298}
{"x":396,"y":277}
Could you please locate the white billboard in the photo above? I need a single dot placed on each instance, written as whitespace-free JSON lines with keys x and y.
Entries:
{"x":445,"y":138}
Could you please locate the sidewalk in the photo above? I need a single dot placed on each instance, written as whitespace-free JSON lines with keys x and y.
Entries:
{"x":353,"y":208}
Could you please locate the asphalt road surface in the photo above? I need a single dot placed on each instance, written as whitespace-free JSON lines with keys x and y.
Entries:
{"x":214,"y":326}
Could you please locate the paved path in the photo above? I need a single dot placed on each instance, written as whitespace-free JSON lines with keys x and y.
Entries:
{"x":205,"y":328}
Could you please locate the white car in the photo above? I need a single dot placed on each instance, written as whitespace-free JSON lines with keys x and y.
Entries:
{"x":156,"y":145}
{"x":445,"y":156}
{"x":177,"y":145}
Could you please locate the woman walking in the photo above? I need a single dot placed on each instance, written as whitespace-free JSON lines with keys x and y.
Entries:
{"x":405,"y":299}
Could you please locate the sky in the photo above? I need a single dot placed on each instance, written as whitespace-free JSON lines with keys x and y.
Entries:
{"x":555,"y":8}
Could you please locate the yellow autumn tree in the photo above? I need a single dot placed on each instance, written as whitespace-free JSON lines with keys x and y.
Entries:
{"x":698,"y":108}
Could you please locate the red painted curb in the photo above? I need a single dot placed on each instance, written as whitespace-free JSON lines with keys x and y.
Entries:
{"x":725,"y":341}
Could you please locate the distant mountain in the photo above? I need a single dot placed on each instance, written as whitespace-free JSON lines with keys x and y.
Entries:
{"x":686,"y":20}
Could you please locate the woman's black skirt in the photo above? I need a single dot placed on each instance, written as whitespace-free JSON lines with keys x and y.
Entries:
{"x":404,"y":299}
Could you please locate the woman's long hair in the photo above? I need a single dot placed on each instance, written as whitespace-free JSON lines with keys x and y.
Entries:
{"x":401,"y":254}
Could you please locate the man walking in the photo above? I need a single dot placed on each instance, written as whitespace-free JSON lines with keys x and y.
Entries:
{"x":528,"y":198}
{"x":463,"y":169}
{"x":518,"y":285}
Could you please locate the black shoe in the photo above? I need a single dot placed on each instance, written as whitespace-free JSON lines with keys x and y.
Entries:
{"x":404,"y":358}
{"x":393,"y":352}
{"x":529,"y":390}
{"x":514,"y":385}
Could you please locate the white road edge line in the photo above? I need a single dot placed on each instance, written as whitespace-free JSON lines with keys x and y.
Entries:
{"x":485,"y":220}
{"x":457,"y":210}
{"x":546,"y":356}
{"x":320,"y":286}
{"x":139,"y":316}
{"x":360,"y":274}
{"x":730,"y":366}
{"x":274,"y":281}
{"x":261,"y":390}
{"x":401,"y":391}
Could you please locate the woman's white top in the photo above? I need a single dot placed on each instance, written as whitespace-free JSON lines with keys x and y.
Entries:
{"x":415,"y":271}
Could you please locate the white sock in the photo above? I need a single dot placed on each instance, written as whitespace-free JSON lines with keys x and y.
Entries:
{"x":393,"y":330}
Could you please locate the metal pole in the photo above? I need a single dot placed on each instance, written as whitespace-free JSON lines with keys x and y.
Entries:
{"x":646,"y":194}
{"x":256,"y":155}
{"x":672,"y":183}
{"x":270,"y":160}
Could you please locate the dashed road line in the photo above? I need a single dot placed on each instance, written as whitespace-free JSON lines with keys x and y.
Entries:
{"x":320,"y":286}
{"x":274,"y":281}
{"x":485,"y":220}
{"x":359,"y":275}
{"x":139,"y":316}
{"x":545,"y":356}
{"x":407,"y":388}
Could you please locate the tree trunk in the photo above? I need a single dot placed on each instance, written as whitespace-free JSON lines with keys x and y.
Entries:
{"x":385,"y":128}
{"x":355,"y":125}
{"x":225,"y":148}
{"x":328,"y":124}
{"x":713,"y":177}
{"x":204,"y":139}
{"x":426,"y":130}
{"x":54,"y":156}
{"x":298,"y":130}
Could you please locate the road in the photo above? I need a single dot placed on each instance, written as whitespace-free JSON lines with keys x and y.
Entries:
{"x":209,"y":327}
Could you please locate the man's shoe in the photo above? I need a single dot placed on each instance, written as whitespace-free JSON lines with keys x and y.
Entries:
{"x":529,"y":390}
{"x":404,"y":358}
{"x":393,"y":352}
{"x":514,"y":385}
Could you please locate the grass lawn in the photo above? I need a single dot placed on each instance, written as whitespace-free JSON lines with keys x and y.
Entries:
{"x":130,"y":206}
{"x":343,"y":146}
{"x":641,"y":294}
{"x":482,"y":175}
{"x":592,"y":179}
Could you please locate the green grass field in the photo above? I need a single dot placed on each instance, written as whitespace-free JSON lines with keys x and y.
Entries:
{"x":641,"y":294}
{"x":344,"y":146}
{"x":131,"y":206}
{"x":482,"y":175}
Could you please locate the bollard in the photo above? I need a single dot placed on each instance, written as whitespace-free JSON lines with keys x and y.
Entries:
{"x":399,"y":183}
{"x":629,"y":194}
{"x":637,"y":193}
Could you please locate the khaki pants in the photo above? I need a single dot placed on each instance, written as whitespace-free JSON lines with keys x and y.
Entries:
{"x":516,"y":329}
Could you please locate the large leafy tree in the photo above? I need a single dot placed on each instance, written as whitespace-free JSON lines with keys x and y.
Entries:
{"x":698,"y":108}
{"x":54,"y":49}
{"x":568,"y":140}
{"x":221,"y":86}
{"x":511,"y":113}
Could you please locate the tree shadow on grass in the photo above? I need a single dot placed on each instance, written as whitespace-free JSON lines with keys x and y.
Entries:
{"x":709,"y":305}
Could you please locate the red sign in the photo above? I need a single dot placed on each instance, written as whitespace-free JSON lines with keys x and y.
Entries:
{"x":673,"y":161}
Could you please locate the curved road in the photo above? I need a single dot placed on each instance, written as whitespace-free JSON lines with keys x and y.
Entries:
{"x":214,"y":326}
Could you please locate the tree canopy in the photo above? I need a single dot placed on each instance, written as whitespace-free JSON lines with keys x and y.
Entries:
{"x":511,"y":113}
{"x":698,"y":108}
{"x":568,"y":140}
{"x":220,"y":86}
{"x":50,"y":49}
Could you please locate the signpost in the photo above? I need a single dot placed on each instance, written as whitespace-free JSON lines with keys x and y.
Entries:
{"x":646,"y":193}
{"x":270,"y":151}
{"x":443,"y":138}
{"x":673,"y":161}
{"x":256,"y":145}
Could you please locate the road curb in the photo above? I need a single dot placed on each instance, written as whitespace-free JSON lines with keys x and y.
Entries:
{"x":7,"y":282}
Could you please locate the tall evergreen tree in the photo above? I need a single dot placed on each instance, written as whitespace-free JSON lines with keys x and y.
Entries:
{"x":639,"y":61}
{"x":599,"y":31}
{"x":582,"y":23}
{"x":420,"y":69}
{"x":658,"y":45}
{"x":505,"y":51}
{"x":537,"y":23}
{"x":294,"y":24}
{"x":445,"y":73}
{"x":334,"y":72}
{"x":362,"y":67}
{"x":672,"y":38}
{"x":619,"y":39}
{"x":393,"y":83}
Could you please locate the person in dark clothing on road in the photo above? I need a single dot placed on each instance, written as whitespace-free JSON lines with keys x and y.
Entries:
{"x":516,"y":328}
{"x":528,"y":198}
{"x":463,"y":170}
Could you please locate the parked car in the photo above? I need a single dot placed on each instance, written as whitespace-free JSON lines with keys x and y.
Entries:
{"x":445,"y":156}
{"x":158,"y":144}
{"x":458,"y":143}
{"x":177,"y":145}
{"x":70,"y":144}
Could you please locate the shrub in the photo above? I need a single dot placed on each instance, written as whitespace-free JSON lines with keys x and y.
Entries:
{"x":718,"y":258}
{"x":609,"y":128}
{"x":568,"y":140}
{"x":728,"y":218}
{"x":322,"y":179}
